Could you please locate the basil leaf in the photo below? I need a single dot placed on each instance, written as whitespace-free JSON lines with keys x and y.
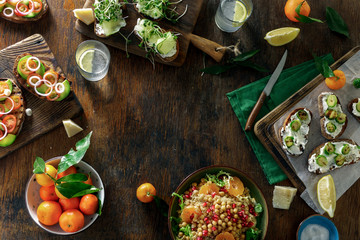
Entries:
{"x":335,"y":22}
{"x":75,"y":177}
{"x":217,"y":69}
{"x":323,"y":67}
{"x":73,"y":157}
{"x":303,"y":18}
{"x":39,"y":166}
{"x":75,"y":189}
{"x":161,"y":205}
{"x":244,"y":56}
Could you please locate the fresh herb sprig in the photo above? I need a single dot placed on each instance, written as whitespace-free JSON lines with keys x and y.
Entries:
{"x":71,"y":185}
{"x":107,"y":10}
{"x":333,"y":19}
{"x":241,"y":60}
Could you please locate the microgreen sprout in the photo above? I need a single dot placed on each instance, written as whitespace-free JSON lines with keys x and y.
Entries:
{"x":107,"y":10}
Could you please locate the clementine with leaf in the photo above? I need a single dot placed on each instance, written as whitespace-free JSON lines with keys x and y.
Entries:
{"x":291,"y":6}
{"x":336,"y":82}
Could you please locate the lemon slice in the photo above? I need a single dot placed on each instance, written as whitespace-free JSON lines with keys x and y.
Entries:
{"x":282,"y":36}
{"x":86,"y":59}
{"x":240,"y":14}
{"x":326,"y":194}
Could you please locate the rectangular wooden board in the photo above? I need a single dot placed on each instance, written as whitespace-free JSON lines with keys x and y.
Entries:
{"x":184,"y":27}
{"x":268,"y":135}
{"x":46,"y":115}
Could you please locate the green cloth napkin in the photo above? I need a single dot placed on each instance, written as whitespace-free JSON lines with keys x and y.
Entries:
{"x":243,"y":100}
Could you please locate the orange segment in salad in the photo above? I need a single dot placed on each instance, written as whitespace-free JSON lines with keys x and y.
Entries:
{"x":188,"y":214}
{"x":225,"y":236}
{"x":236,"y":187}
{"x":209,"y":189}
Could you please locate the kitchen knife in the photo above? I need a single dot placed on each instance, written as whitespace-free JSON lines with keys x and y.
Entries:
{"x":266,"y":92}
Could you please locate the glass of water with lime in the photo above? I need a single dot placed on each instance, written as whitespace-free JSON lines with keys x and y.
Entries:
{"x":92,"y":59}
{"x":232,"y":14}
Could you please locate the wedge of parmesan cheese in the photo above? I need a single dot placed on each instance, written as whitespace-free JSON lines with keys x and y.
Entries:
{"x":283,"y":196}
{"x":86,"y":15}
{"x":71,"y":128}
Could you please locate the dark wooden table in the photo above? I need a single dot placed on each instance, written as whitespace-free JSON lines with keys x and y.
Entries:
{"x":160,"y":125}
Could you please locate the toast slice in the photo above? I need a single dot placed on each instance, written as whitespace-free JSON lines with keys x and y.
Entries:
{"x":333,"y":155}
{"x":333,"y":121}
{"x":25,"y":85}
{"x":14,"y":111}
{"x":20,"y":19}
{"x":352,"y":108}
{"x":295,"y":130}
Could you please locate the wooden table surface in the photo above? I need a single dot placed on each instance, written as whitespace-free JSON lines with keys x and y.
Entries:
{"x":160,"y":125}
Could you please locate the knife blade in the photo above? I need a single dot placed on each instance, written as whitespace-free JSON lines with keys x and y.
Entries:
{"x":266,"y":92}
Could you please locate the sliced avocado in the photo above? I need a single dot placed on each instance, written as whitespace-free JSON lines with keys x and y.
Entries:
{"x":345,"y":149}
{"x":295,"y":125}
{"x":358,"y":106}
{"x":331,"y":100}
{"x":1,"y":8}
{"x":9,"y":83}
{"x":330,"y":127}
{"x":31,"y":15}
{"x":302,"y":115}
{"x":42,"y":88}
{"x":321,"y":160}
{"x":40,"y":71}
{"x":289,"y":141}
{"x":341,"y":118}
{"x":8,"y":140}
{"x":66,"y":91}
{"x":329,"y":148}
{"x":340,"y":159}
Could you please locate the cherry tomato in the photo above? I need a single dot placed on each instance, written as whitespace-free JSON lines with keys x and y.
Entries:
{"x":17,"y":101}
{"x":2,"y":110}
{"x":33,"y":80}
{"x":53,"y":95}
{"x":8,"y":104}
{"x":49,"y":75}
{"x":3,"y":86}
{"x":37,"y":5}
{"x":10,"y":122}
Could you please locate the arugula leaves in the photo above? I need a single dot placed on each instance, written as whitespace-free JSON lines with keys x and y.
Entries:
{"x":252,"y":234}
{"x":186,"y":230}
{"x":182,"y":205}
{"x":238,"y":61}
{"x":216,"y":178}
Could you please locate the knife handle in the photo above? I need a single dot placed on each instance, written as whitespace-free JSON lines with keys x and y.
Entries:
{"x":255,"y":111}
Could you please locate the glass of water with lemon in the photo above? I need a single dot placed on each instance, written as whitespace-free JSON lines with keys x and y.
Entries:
{"x":232,"y":14}
{"x":93,"y":59}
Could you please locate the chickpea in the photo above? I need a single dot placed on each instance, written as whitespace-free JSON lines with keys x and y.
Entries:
{"x":219,"y":222}
{"x":201,"y":221}
{"x":228,"y":206}
{"x":209,"y":225}
{"x":217,"y":211}
{"x":214,"y":223}
{"x":215,"y":233}
{"x":226,"y":220}
{"x":223,"y":208}
{"x":230,"y":229}
{"x":223,"y":203}
{"x":223,"y":225}
{"x":203,"y":227}
{"x":236,"y":216}
{"x":235,"y":210}
{"x":221,"y":194}
{"x":183,"y":224}
{"x":222,"y":216}
{"x":199,"y":234}
{"x":217,"y":206}
{"x":229,"y":223}
{"x":181,"y":234}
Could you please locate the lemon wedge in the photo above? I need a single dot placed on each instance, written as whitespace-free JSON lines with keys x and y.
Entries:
{"x":282,"y":36}
{"x":86,"y":15}
{"x":326,"y":194}
{"x":240,"y":14}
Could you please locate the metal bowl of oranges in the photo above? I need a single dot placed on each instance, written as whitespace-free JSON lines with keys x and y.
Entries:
{"x":63,"y":216}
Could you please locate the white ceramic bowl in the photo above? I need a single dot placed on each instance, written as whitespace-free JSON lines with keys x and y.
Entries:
{"x":33,"y":199}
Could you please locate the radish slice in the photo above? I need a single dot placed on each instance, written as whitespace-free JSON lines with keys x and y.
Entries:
{"x":59,"y":88}
{"x":37,"y":83}
{"x":47,"y":84}
{"x":12,"y":106}
{"x":28,"y":11}
{"x":53,"y":75}
{"x":6,"y":10}
{"x":5,"y":129}
{"x":33,"y":69}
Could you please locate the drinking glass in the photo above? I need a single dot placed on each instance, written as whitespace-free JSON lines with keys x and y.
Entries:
{"x":92,"y":59}
{"x":232,"y":14}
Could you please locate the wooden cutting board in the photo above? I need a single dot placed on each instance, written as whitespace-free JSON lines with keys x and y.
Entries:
{"x":184,"y":26}
{"x":46,"y":115}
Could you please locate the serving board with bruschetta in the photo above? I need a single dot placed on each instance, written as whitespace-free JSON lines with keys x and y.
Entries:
{"x":42,"y":114}
{"x":331,"y":125}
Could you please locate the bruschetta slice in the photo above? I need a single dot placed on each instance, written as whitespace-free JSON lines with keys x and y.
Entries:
{"x":295,"y":130}
{"x":333,"y":121}
{"x":40,"y":79}
{"x":354,"y":108}
{"x":155,"y":39}
{"x":333,"y":155}
{"x":22,"y":11}
{"x":12,"y":111}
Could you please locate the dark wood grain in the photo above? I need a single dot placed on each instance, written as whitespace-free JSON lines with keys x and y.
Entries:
{"x":46,"y":115}
{"x":159,"y":125}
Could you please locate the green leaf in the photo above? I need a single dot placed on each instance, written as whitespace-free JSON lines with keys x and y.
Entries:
{"x":182,"y":205}
{"x":186,"y":230}
{"x":75,"y":189}
{"x":175,"y":221}
{"x":100,"y":206}
{"x":323,"y":67}
{"x":258,"y":208}
{"x":74,"y":157}
{"x":75,"y":177}
{"x":161,"y":205}
{"x":252,"y":234}
{"x":335,"y":22}
{"x":39,"y":166}
{"x":356,"y":82}
{"x":244,"y":56}
{"x":303,"y":18}
{"x":217,"y":69}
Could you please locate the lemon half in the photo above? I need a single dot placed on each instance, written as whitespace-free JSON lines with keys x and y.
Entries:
{"x":282,"y":36}
{"x":326,"y":194}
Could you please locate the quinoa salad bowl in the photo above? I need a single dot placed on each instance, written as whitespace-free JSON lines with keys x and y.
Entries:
{"x":218,"y":203}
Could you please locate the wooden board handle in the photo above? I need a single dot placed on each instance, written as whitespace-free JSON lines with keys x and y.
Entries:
{"x":255,"y":111}
{"x":208,"y":47}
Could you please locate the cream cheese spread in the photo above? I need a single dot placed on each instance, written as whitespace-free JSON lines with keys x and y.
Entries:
{"x":354,"y":110}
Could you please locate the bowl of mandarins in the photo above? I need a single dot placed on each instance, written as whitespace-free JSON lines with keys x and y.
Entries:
{"x":218,"y":202}
{"x":67,"y":202}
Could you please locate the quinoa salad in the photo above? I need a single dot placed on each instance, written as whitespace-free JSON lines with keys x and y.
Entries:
{"x":218,"y":207}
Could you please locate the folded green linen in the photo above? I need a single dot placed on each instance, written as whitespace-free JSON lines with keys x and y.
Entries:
{"x":243,"y":100}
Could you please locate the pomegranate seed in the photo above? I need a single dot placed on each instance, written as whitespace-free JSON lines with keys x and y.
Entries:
{"x":234,"y":220}
{"x":208,"y":221}
{"x":205,"y":219}
{"x":246,"y":217}
{"x":194,"y":188}
{"x":208,"y":210}
{"x":250,"y":224}
{"x":199,"y":238}
{"x":205,"y":233}
{"x":193,"y":229}
{"x":215,"y":216}
{"x":187,"y":196}
{"x":234,"y":205}
{"x":212,"y":207}
{"x":229,"y":217}
{"x":213,"y":194}
{"x":243,"y":224}
{"x":204,"y":204}
{"x":191,"y":216}
{"x":213,"y":228}
{"x":242,"y":206}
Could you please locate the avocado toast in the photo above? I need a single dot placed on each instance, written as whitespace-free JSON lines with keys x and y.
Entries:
{"x":12,"y":111}
{"x":294,"y":132}
{"x":333,"y":121}
{"x":40,"y":79}
{"x":30,"y":10}
{"x":332,"y":155}
{"x":354,"y":108}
